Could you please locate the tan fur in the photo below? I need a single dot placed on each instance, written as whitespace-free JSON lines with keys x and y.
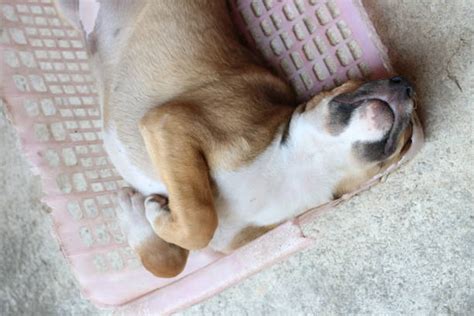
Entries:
{"x":212,"y":85}
{"x":214,"y":66}
{"x":186,"y":137}
{"x":162,"y":258}
{"x":185,"y":97}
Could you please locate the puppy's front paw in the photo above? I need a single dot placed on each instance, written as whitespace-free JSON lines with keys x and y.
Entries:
{"x":159,"y":257}
{"x":131,"y":215}
{"x":156,"y":206}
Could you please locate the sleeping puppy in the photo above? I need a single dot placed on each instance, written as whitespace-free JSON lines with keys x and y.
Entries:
{"x":214,"y":145}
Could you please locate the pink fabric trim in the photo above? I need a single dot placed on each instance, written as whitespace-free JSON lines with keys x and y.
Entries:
{"x":229,"y":270}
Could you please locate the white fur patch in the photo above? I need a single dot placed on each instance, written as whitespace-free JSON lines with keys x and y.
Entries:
{"x":281,"y":183}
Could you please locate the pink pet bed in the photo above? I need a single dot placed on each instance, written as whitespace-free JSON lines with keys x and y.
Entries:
{"x":51,"y":99}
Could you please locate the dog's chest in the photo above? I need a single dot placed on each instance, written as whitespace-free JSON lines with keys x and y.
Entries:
{"x":272,"y":189}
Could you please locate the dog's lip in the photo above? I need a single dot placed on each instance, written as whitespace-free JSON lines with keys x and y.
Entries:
{"x":395,"y":129}
{"x":397,"y":123}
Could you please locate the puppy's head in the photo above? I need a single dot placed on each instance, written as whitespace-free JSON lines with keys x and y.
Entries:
{"x":368,"y":123}
{"x":373,"y":116}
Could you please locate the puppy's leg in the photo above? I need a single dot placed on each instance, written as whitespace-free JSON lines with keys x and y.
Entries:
{"x":174,"y":142}
{"x":159,"y":257}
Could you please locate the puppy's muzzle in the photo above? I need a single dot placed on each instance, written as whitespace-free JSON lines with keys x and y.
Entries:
{"x":397,"y":93}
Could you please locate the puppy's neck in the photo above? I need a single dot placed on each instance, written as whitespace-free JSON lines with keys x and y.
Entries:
{"x":303,"y":133}
{"x":295,"y":172}
{"x":304,"y":148}
{"x":303,"y":144}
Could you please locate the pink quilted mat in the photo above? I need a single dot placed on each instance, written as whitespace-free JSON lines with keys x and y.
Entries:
{"x":315,"y":44}
{"x":52,"y":101}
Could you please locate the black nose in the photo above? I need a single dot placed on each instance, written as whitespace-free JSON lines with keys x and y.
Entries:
{"x":404,"y":84}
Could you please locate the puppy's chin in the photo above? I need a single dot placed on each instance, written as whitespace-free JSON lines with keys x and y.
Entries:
{"x":377,"y":116}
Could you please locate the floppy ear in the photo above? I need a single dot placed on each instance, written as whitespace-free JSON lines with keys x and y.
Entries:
{"x":174,"y":140}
